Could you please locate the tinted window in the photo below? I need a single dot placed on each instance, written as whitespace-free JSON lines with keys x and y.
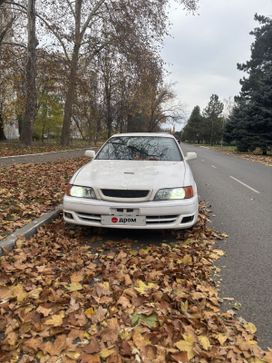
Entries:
{"x":140,"y":148}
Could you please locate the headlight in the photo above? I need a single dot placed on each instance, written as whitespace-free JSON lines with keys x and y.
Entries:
{"x":80,"y":192}
{"x":175,"y":193}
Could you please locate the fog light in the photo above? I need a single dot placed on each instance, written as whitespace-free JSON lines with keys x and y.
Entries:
{"x":187,"y":219}
{"x":68,"y":215}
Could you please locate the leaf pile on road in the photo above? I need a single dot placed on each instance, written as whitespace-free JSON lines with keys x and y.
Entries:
{"x":263,"y":159}
{"x":18,"y":149}
{"x":67,"y":299}
{"x":27,"y":190}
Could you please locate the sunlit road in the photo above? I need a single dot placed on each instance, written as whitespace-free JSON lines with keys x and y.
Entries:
{"x":240,"y":194}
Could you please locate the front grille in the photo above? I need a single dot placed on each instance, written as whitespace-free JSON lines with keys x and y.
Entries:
{"x":160,"y":219}
{"x":89,"y":217}
{"x":120,"y":193}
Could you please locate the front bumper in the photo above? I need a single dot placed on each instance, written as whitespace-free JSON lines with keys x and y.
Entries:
{"x":176,"y":214}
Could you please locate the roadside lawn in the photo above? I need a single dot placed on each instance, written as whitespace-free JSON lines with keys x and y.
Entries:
{"x":66,"y":297}
{"x":28,"y":190}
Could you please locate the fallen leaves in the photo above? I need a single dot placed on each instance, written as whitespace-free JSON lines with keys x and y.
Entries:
{"x":28,"y":190}
{"x":74,"y":286}
{"x":143,"y":287}
{"x":55,"y":320}
{"x":187,"y":345}
{"x":79,"y":301}
{"x":204,"y":342}
{"x":149,"y":320}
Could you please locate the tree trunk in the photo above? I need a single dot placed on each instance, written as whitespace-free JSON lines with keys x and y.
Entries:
{"x":69,"y":101}
{"x":2,"y":133}
{"x":31,"y":94}
{"x":108,"y":106}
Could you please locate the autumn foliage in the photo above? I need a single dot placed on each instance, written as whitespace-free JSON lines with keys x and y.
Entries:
{"x":65,"y":296}
{"x":28,"y":190}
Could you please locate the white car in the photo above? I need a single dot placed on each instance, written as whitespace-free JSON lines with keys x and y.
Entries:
{"x":136,"y":180}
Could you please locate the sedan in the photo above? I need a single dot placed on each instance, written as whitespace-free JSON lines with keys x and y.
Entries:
{"x":136,"y":180}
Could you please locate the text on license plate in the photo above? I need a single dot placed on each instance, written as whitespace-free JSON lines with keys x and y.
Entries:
{"x":127,"y":220}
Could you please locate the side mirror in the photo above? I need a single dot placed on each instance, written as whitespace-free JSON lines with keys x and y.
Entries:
{"x":191,"y":155}
{"x":90,"y":153}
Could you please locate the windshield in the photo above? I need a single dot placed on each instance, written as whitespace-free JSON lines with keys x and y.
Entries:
{"x":140,"y":148}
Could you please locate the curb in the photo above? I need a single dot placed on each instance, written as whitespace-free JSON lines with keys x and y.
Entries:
{"x":29,"y":229}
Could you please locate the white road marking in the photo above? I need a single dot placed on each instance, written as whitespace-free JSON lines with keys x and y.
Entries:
{"x":245,"y":185}
{"x":205,"y":147}
{"x":203,"y":160}
{"x":213,"y":166}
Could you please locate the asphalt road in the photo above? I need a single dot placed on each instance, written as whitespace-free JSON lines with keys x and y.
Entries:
{"x":41,"y":157}
{"x":240,"y":194}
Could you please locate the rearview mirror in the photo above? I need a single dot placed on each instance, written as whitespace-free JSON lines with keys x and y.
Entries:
{"x":90,"y":153}
{"x":191,"y":155}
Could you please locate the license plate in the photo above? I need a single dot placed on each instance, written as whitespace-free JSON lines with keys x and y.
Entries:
{"x":123,"y":220}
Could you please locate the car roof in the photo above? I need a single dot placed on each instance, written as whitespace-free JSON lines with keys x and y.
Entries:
{"x":157,"y":134}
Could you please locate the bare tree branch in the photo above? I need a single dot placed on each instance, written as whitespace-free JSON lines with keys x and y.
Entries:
{"x":71,"y":8}
{"x":14,"y":44}
{"x":55,"y":33}
{"x":92,"y":13}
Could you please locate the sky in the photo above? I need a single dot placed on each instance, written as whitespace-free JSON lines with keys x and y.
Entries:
{"x":202,"y":52}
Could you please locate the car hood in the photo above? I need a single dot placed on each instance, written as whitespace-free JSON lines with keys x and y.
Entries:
{"x":131,"y":174}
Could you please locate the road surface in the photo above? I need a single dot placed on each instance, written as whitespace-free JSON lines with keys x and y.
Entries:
{"x":240,"y":194}
{"x":41,"y":157}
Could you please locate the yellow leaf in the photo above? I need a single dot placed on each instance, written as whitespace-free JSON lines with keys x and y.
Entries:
{"x":87,"y":335}
{"x":125,"y":334}
{"x":20,"y":242}
{"x":250,"y":328}
{"x":56,"y":320}
{"x":89,"y":312}
{"x":73,"y":355}
{"x":35,"y":293}
{"x":139,"y":339}
{"x":216,"y":254}
{"x":106,"y":285}
{"x":105,"y":353}
{"x":144,"y":251}
{"x":76,"y":277}
{"x":19,"y":292}
{"x":44,"y":311}
{"x":74,"y":286}
{"x":184,"y":306}
{"x":186,"y":260}
{"x":186,"y":345}
{"x":204,"y":342}
{"x":143,"y":287}
{"x":221,"y":338}
{"x":256,"y":360}
{"x":40,"y":355}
